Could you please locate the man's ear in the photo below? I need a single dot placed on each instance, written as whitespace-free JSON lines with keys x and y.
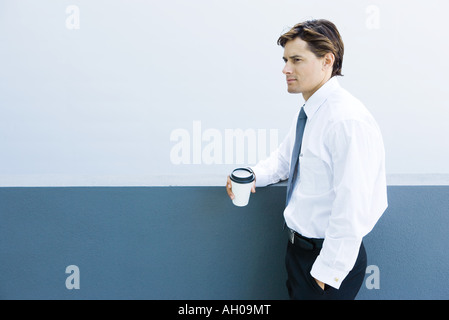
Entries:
{"x":328,"y":61}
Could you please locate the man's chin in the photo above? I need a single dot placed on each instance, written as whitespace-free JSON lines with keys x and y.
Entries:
{"x":293,"y":90}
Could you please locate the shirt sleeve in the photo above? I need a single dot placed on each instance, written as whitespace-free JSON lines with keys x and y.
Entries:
{"x":357,"y":153}
{"x":276,"y":167}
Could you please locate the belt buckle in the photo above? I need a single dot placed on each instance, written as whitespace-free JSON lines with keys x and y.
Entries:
{"x":291,"y":236}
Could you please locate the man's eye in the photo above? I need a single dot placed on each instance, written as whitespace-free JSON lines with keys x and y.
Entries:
{"x":297,"y":60}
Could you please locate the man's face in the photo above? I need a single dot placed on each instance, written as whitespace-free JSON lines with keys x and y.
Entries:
{"x":305,"y":72}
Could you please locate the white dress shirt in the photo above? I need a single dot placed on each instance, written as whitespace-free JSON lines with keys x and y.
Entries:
{"x":341,"y":190}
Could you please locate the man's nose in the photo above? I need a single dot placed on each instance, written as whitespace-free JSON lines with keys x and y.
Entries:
{"x":287,"y":69}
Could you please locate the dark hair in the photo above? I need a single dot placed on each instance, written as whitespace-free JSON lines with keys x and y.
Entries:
{"x":322,"y":37}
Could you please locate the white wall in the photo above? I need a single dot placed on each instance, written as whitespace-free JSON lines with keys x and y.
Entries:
{"x":151,"y":92}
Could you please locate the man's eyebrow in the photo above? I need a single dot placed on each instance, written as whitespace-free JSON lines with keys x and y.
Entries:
{"x":293,"y":57}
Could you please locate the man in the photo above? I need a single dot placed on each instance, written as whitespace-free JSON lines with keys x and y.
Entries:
{"x":338,"y":165}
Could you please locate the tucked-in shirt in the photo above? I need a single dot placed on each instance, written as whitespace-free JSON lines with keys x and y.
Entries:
{"x":341,"y":190}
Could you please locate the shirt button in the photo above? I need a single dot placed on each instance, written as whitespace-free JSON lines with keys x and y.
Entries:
{"x":336,"y":279}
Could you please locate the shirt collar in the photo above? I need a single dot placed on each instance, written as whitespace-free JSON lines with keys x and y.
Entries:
{"x":320,"y":96}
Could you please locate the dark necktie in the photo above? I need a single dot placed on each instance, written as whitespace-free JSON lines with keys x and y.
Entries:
{"x":294,"y":165}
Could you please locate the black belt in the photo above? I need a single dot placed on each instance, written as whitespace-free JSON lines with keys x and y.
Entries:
{"x":304,"y":242}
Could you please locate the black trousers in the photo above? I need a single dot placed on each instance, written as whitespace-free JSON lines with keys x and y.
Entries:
{"x":302,"y":286}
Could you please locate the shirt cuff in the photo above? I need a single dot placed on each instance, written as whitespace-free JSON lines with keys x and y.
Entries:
{"x":262,"y":180}
{"x":326,"y":274}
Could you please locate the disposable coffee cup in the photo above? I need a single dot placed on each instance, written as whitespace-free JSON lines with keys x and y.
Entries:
{"x":241,"y":182}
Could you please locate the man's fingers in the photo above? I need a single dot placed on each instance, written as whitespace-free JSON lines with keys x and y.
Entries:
{"x":229,"y":188}
{"x":253,"y":188}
